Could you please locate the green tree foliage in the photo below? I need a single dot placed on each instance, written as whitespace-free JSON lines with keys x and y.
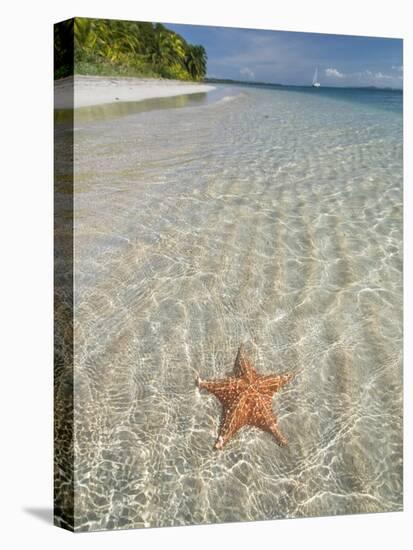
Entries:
{"x":63,"y":48}
{"x":112,"y":47}
{"x":195,"y":61}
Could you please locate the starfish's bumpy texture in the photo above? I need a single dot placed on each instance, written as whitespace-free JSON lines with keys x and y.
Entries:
{"x":246,"y":399}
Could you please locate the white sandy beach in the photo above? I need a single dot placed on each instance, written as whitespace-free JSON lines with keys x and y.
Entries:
{"x":98,"y":90}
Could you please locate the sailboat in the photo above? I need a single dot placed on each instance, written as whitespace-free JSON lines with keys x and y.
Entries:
{"x":316,"y":83}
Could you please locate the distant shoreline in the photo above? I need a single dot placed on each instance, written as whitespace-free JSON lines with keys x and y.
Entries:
{"x":99,"y":90}
{"x":278,"y":85}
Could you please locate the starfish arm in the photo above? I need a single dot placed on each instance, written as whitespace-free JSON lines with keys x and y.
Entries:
{"x":279,"y":436}
{"x":246,"y":399}
{"x":270,"y":384}
{"x":235,"y":416}
{"x":243,"y":366}
{"x":263,"y":417}
{"x":226,"y":390}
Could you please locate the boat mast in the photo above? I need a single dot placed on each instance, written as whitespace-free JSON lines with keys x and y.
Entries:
{"x":315,"y":75}
{"x":316,"y":84}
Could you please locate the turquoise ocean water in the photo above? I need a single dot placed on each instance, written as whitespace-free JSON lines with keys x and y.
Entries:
{"x":260,"y":215}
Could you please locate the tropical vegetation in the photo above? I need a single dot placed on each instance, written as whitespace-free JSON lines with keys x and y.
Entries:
{"x":128,"y":48}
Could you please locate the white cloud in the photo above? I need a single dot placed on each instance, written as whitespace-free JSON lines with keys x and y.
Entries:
{"x":366,"y":77}
{"x":397,"y":68}
{"x":247,"y":72}
{"x":375,"y":78}
{"x":335,"y":73}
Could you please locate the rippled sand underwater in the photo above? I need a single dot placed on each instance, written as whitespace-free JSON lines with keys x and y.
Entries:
{"x":268,"y":217}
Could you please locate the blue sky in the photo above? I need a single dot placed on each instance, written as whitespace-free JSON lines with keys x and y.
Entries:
{"x":291,"y":57}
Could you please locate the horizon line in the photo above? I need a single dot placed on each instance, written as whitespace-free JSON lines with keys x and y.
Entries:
{"x":261,"y":82}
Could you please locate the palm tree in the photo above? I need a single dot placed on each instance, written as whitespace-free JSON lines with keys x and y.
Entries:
{"x":196,"y":61}
{"x":85,"y":35}
{"x":124,"y":36}
{"x":127,"y":46}
{"x":166,"y":49}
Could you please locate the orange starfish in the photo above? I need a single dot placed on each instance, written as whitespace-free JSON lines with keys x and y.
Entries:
{"x":246,"y":399}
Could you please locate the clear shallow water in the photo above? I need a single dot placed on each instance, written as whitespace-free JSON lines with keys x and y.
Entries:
{"x":272,"y":217}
